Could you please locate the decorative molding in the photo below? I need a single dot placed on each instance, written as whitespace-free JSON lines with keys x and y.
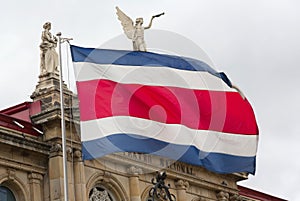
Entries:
{"x":11,"y":174}
{"x":26,"y":143}
{"x":15,"y":164}
{"x":133,"y":170}
{"x":35,"y":176}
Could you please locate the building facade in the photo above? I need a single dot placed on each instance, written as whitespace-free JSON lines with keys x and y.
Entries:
{"x":31,"y":160}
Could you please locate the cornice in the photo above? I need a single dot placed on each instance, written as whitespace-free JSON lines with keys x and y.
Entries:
{"x":172,"y":174}
{"x":23,"y":141}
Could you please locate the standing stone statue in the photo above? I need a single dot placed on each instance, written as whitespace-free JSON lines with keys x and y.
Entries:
{"x":49,"y":57}
{"x":135,"y":32}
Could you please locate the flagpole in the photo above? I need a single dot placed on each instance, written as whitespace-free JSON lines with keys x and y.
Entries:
{"x":63,"y":127}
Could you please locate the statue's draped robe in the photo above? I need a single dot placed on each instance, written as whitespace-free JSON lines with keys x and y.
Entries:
{"x":49,"y":57}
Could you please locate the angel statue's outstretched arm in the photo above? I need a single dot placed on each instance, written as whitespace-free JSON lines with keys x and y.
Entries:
{"x":154,"y":16}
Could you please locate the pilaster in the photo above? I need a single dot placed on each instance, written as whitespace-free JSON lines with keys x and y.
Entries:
{"x":181,"y":187}
{"x":56,"y":173}
{"x":79,"y":177}
{"x":35,"y":184}
{"x":134,"y":186}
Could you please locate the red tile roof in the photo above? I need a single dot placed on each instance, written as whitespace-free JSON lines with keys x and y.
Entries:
{"x":250,"y":193}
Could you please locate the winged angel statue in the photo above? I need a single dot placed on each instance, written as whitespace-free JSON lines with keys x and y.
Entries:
{"x":135,"y":32}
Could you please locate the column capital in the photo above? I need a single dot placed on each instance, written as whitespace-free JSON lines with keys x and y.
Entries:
{"x":181,"y":184}
{"x":69,"y":153}
{"x":56,"y":149}
{"x":35,"y":176}
{"x":222,"y":196}
{"x":77,"y":155}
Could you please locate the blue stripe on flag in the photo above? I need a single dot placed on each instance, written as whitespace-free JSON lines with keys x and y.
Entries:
{"x":216,"y":162}
{"x":138,"y":58}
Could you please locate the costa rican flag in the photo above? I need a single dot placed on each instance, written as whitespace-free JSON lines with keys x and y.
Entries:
{"x":165,"y":105}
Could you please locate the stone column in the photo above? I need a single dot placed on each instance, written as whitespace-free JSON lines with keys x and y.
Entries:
{"x":35,"y":186}
{"x":134,"y":186}
{"x":56,"y":173}
{"x":79,"y":177}
{"x":181,"y":187}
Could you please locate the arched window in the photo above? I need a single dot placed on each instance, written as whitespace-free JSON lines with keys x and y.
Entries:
{"x":6,"y":194}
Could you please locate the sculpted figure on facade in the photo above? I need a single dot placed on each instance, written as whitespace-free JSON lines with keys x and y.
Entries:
{"x":49,"y":57}
{"x":135,"y":32}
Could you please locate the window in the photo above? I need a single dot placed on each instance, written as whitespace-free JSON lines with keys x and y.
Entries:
{"x":6,"y":194}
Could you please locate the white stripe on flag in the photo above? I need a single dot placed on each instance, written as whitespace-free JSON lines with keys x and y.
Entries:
{"x":150,"y":76}
{"x":205,"y":140}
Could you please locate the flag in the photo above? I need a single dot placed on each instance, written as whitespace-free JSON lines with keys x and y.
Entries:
{"x":165,"y":105}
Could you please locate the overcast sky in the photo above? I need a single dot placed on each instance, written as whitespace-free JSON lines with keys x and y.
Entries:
{"x":255,"y":42}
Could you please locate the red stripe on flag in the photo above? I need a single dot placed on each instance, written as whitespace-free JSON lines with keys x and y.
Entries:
{"x":197,"y":109}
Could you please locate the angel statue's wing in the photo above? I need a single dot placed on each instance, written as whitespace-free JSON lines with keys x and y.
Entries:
{"x":126,"y":22}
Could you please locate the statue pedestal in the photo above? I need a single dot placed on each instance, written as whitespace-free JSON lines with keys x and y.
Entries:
{"x":48,"y":92}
